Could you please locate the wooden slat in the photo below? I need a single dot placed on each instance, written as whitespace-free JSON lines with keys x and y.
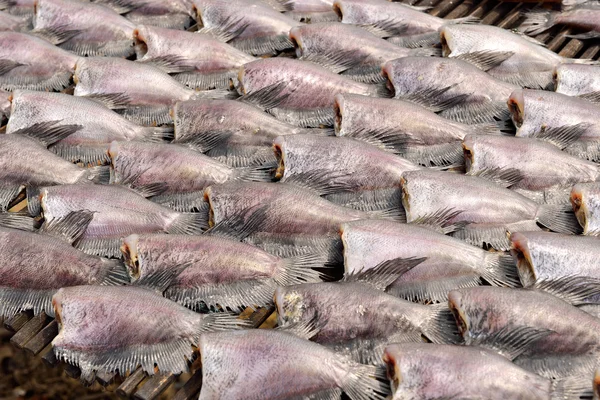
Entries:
{"x":557,"y":42}
{"x":445,"y":7}
{"x":591,"y":51}
{"x":29,"y":330}
{"x":154,"y":387}
{"x":16,"y":322}
{"x":460,"y":11}
{"x":571,"y":49}
{"x":191,"y":388}
{"x":129,"y":385}
{"x":43,"y":338}
{"x":494,"y":15}
{"x":48,"y":356}
{"x":105,"y":378}
{"x":511,"y":18}
{"x":72,"y":371}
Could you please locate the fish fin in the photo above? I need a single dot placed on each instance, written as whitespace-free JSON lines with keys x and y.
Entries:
{"x":150,"y":189}
{"x":125,"y":6}
{"x":415,"y":41}
{"x":572,"y":387}
{"x":315,"y":117}
{"x":336,"y":62}
{"x":70,"y":227}
{"x":243,"y":156}
{"x":110,"y":247}
{"x":289,"y":246}
{"x":305,"y":328}
{"x":392,"y":213}
{"x":370,"y":74}
{"x":263,"y":45}
{"x":371,"y":201}
{"x":365,"y":382}
{"x":537,"y":21}
{"x":436,"y":155}
{"x":34,"y":207}
{"x":13,"y":301}
{"x":485,"y":59}
{"x":237,"y":226}
{"x":500,"y":270}
{"x":189,"y":224}
{"x":267,"y":97}
{"x":111,"y":100}
{"x":183,"y":202}
{"x":432,"y":290}
{"x":439,"y":326}
{"x":388,"y":27}
{"x":200,"y":81}
{"x":386,"y":139}
{"x":171,"y":63}
{"x":439,"y":220}
{"x":99,"y":174}
{"x":510,"y":342}
{"x":160,"y":280}
{"x":205,"y":141}
{"x":585,"y":35}
{"x":84,"y":154}
{"x":587,"y":149}
{"x":299,"y":269}
{"x":8,"y":194}
{"x":157,"y":134}
{"x":56,"y":34}
{"x":8,"y":65}
{"x":564,"y":135}
{"x":17,"y":221}
{"x":529,"y":80}
{"x":572,"y":289}
{"x":230,"y":29}
{"x":593,"y":97}
{"x":331,"y":394}
{"x":57,"y":82}
{"x":256,"y":173}
{"x":117,"y":274}
{"x":430,"y":99}
{"x":214,"y":94}
{"x":280,"y":5}
{"x":385,"y":273}
{"x":505,"y":177}
{"x":147,"y":115}
{"x":558,"y":218}
{"x":560,"y":367}
{"x":118,"y":48}
{"x":495,"y":236}
{"x":553,"y":195}
{"x":478,"y":113}
{"x":321,"y":182}
{"x":48,"y":132}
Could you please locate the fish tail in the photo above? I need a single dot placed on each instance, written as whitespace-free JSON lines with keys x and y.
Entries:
{"x":117,"y":274}
{"x":300,"y":269}
{"x":440,"y":326}
{"x":485,"y":129}
{"x":573,"y":387}
{"x":34,"y":207}
{"x":366,"y":382}
{"x":558,"y":218}
{"x":12,"y":301}
{"x":537,"y":22}
{"x":157,"y":134}
{"x":17,"y":221}
{"x":255,"y":173}
{"x":189,"y":224}
{"x":223,"y":321}
{"x":500,"y":270}
{"x":99,"y":174}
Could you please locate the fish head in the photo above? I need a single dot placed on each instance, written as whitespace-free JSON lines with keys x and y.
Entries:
{"x":113,"y":155}
{"x":521,"y":253}
{"x":241,"y":85}
{"x":339,"y":9}
{"x":338,"y":112}
{"x":297,"y":40}
{"x":142,"y":39}
{"x":468,"y":146}
{"x":388,"y":74}
{"x":392,"y":367}
{"x":291,"y":305}
{"x":129,"y":248}
{"x":516,"y":107}
{"x":455,"y":303}
{"x":280,"y":153}
{"x":446,"y":40}
{"x":212,"y":211}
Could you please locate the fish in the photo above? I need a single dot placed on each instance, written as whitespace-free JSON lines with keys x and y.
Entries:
{"x":214,"y":271}
{"x":52,"y":263}
{"x":194,"y":59}
{"x":449,"y":262}
{"x":551,"y":260}
{"x":29,"y":62}
{"x":577,"y":80}
{"x":583,"y":18}
{"x":266,"y":363}
{"x":9,"y":22}
{"x":26,"y":162}
{"x":156,"y":169}
{"x":405,"y":128}
{"x":85,"y":28}
{"x":118,"y":212}
{"x":349,"y":50}
{"x":544,"y":168}
{"x":234,"y":132}
{"x":142,"y":93}
{"x":585,"y":199}
{"x":310,"y":11}
{"x":537,"y":330}
{"x":298,"y":92}
{"x":505,"y":55}
{"x":402,"y":24}
{"x":172,"y":14}
{"x":486,"y":210}
{"x":535,"y":112}
{"x":355,"y":317}
{"x":468,"y":372}
{"x":452,"y":87}
{"x":248,"y":25}
{"x":115,"y":329}
{"x":24,"y":8}
{"x":97,"y":126}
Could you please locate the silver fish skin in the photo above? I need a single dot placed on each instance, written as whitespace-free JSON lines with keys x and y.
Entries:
{"x":526,"y":63}
{"x":214,"y":270}
{"x":33,"y":63}
{"x":177,"y":169}
{"x":197,"y":60}
{"x":9,"y":22}
{"x":310,"y":6}
{"x":551,"y":337}
{"x":290,"y":210}
{"x":577,"y":79}
{"x":85,"y":28}
{"x":359,"y":317}
{"x":542,"y":165}
{"x":487,"y":209}
{"x":23,"y":8}
{"x":172,"y":14}
{"x":585,"y":199}
{"x":98,"y":125}
{"x":582,"y":18}
{"x":283,"y":357}
{"x":546,"y":257}
{"x":433,"y":371}
{"x":461,"y":91}
{"x":450,"y":263}
{"x":248,"y":25}
{"x":119,"y":328}
{"x":308,"y":88}
{"x":53,"y":263}
{"x":118,"y":212}
{"x":342,"y":163}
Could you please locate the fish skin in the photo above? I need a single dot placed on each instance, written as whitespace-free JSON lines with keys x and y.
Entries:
{"x":151,"y":329}
{"x":43,"y":66}
{"x":173,"y":14}
{"x":542,"y":165}
{"x":255,"y":27}
{"x":576,"y":79}
{"x":90,"y":29}
{"x":545,"y":256}
{"x":581,"y":18}
{"x":309,"y":6}
{"x":9,"y":22}
{"x":277,"y":360}
{"x":291,"y":210}
{"x":585,"y":198}
{"x":449,"y":261}
{"x":23,"y":8}
{"x":179,"y":51}
{"x":434,"y":371}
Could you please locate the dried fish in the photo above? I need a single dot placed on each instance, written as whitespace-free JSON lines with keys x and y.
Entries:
{"x":97,"y":125}
{"x":486,"y":209}
{"x":298,"y":92}
{"x":85,"y":28}
{"x":9,"y":22}
{"x":505,"y":55}
{"x":116,"y":329}
{"x":23,"y":8}
{"x":449,"y":263}
{"x":118,"y":212}
{"x":585,"y":198}
{"x":28,"y":62}
{"x":174,"y":14}
{"x":265,"y":363}
{"x":196,"y":60}
{"x":310,"y":10}
{"x":578,"y":80}
{"x":214,"y":271}
{"x":584,"y":18}
{"x":461,"y":91}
